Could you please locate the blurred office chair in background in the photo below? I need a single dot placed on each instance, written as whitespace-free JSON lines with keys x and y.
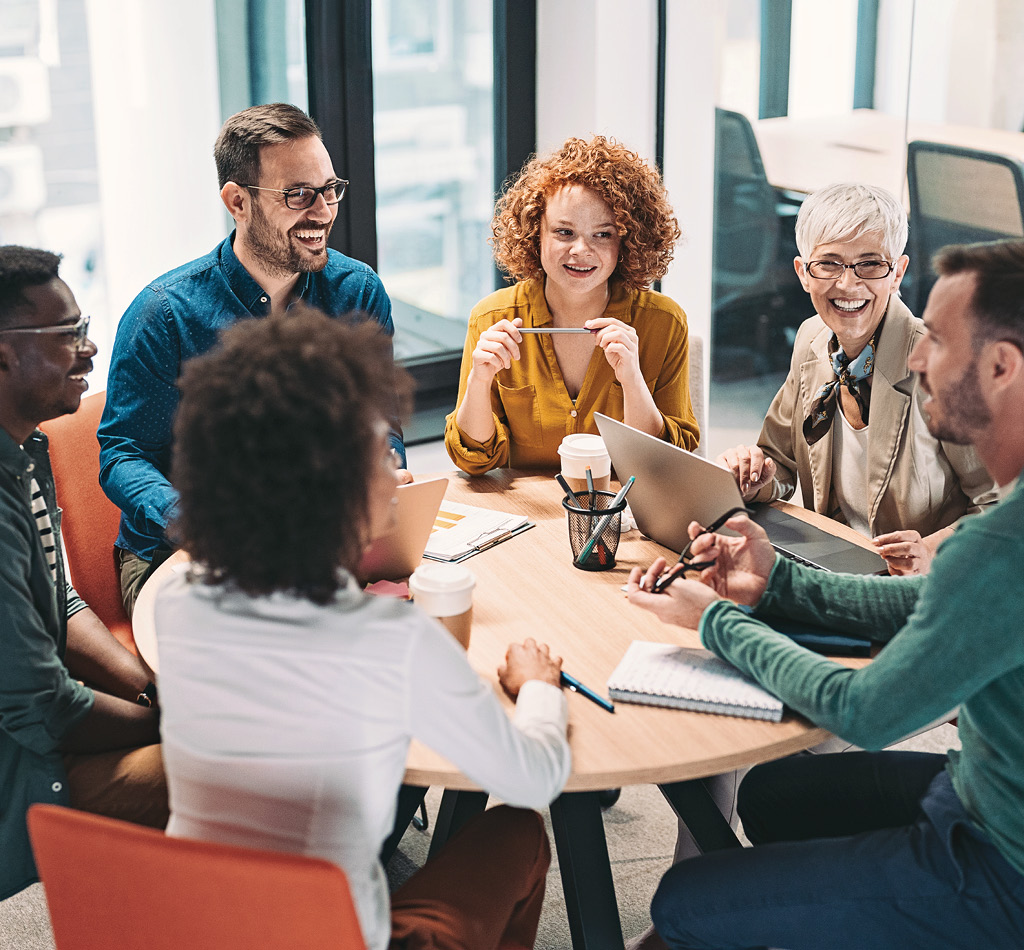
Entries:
{"x":957,"y":196}
{"x":112,"y":884}
{"x":753,"y":251}
{"x":90,"y":520}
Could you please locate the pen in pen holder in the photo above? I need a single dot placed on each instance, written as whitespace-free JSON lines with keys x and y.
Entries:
{"x":583,"y":519}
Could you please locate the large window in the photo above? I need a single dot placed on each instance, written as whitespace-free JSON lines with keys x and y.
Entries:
{"x":446,"y":112}
{"x":433,"y":127}
{"x":107,"y":115}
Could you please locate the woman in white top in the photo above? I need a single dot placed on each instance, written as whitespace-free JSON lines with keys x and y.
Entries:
{"x":289,"y":695}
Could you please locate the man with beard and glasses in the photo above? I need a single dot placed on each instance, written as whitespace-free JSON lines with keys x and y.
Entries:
{"x":278,"y":183}
{"x":79,"y":722}
{"x":883,"y":849}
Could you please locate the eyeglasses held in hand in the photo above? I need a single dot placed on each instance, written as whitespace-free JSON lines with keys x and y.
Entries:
{"x":78,"y":331}
{"x":865,"y":270}
{"x":299,"y":199}
{"x":684,"y":558}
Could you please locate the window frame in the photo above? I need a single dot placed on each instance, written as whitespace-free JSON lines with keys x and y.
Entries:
{"x":340,"y":70}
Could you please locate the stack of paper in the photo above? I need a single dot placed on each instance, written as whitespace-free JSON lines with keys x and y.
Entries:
{"x":460,"y":531}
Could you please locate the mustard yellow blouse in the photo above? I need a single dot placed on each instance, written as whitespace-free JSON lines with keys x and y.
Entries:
{"x":532,"y":408}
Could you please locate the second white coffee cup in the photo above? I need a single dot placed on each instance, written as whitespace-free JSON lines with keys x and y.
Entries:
{"x":445,"y":591}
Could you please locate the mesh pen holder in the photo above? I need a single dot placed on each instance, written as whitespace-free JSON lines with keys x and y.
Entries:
{"x":583,"y":520}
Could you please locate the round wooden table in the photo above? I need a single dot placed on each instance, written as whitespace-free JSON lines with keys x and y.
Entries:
{"x":528,"y":587}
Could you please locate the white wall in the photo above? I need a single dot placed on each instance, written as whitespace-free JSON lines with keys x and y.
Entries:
{"x":155,"y":94}
{"x":596,"y":71}
{"x":967,"y":63}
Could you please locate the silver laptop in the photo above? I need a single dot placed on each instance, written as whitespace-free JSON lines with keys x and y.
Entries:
{"x":398,"y":553}
{"x":674,"y":487}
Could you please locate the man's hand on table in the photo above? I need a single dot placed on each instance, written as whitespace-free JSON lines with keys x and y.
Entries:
{"x":740,"y":573}
{"x":528,"y":660}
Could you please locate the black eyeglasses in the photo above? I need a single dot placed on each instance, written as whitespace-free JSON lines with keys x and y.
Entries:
{"x":684,"y":558}
{"x":78,"y":331}
{"x":299,"y":199}
{"x":865,"y":270}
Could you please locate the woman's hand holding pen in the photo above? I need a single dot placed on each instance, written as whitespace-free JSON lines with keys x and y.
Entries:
{"x":528,"y":660}
{"x":495,"y":350}
{"x":621,"y":348}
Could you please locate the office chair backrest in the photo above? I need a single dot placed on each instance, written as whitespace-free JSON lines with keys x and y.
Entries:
{"x":90,"y":520}
{"x":111,"y":884}
{"x":746,"y":229}
{"x":958,"y":196}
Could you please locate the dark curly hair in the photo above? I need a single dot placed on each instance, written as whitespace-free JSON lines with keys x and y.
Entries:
{"x":630,"y":187}
{"x":275,"y":442}
{"x":20,"y":268}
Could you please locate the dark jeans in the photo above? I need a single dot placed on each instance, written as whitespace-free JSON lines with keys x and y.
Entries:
{"x":859,"y":850}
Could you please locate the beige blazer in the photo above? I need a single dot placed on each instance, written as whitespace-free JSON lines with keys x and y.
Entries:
{"x":914,"y":480}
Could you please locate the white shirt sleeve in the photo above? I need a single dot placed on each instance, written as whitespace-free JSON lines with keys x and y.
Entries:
{"x":525,"y":761}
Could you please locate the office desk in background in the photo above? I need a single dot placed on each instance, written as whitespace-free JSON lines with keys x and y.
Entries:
{"x":527,"y":587}
{"x":863,"y":145}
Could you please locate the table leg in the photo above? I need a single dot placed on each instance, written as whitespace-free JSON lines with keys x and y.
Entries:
{"x":409,"y":799}
{"x":692,"y":803}
{"x":455,"y":810}
{"x":586,"y":873}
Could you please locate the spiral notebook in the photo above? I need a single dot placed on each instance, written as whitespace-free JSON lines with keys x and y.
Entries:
{"x":662,"y":674}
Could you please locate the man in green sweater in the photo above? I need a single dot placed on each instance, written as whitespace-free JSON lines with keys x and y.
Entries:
{"x":884,"y":849}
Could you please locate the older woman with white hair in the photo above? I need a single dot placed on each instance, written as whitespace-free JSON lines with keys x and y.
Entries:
{"x":847,"y":421}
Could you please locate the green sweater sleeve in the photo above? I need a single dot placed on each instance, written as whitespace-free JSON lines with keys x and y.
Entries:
{"x":945,"y":645}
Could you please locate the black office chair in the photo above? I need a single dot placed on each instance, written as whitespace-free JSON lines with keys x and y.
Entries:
{"x":957,"y":196}
{"x":752,"y":252}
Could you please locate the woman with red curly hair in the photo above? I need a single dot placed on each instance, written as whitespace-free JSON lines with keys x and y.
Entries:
{"x":583,"y":233}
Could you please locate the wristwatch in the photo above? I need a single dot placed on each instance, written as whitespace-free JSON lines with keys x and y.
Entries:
{"x":148,"y":696}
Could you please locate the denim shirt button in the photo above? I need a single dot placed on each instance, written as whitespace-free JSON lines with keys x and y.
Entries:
{"x":263,"y":299}
{"x":31,"y":467}
{"x":56,"y":786}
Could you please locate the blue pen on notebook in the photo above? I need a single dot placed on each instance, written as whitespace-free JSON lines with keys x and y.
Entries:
{"x":577,"y":687}
{"x":605,"y":521}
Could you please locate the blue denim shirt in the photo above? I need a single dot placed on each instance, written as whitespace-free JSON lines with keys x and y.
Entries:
{"x":176,"y":317}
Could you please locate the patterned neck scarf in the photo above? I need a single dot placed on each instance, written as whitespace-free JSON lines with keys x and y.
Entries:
{"x":854,"y":374}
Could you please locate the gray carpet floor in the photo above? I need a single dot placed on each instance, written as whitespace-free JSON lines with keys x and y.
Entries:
{"x":640,"y":829}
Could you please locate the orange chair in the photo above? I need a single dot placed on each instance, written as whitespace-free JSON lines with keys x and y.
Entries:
{"x":90,"y":520}
{"x":112,"y":884}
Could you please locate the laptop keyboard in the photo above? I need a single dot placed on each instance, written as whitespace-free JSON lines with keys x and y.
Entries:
{"x":800,"y":560}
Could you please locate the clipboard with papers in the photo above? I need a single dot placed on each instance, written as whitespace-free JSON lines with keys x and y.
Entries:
{"x":461,"y":531}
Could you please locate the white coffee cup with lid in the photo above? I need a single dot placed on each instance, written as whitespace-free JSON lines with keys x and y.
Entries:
{"x":580,"y":451}
{"x":445,"y":591}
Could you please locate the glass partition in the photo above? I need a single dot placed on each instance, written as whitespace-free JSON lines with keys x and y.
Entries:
{"x":792,"y":72}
